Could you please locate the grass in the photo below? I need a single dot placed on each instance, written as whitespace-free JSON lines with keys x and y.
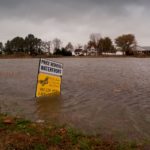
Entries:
{"x":20,"y":134}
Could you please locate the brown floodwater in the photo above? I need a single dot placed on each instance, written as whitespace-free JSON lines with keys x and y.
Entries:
{"x":108,"y":96}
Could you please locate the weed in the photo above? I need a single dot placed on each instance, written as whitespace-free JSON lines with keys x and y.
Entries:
{"x":85,"y":144}
{"x":55,"y":140}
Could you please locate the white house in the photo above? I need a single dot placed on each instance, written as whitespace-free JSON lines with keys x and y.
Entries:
{"x":92,"y":51}
{"x":119,"y":53}
{"x":142,"y":50}
{"x":78,"y":52}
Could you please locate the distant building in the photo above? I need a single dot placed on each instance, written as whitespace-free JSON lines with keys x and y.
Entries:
{"x":142,"y":50}
{"x":78,"y":52}
{"x":119,"y":53}
{"x":92,"y":51}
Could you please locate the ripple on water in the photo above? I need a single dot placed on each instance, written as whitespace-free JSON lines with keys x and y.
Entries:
{"x":99,"y":95}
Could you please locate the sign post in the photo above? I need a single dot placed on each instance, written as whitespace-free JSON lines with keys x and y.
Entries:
{"x":49,"y":78}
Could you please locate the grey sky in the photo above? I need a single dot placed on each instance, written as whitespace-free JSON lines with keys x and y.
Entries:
{"x":74,"y":20}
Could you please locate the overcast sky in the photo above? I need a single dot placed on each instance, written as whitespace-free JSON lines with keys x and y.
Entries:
{"x":74,"y":20}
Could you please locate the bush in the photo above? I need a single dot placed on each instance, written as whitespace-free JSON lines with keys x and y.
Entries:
{"x":62,"y":52}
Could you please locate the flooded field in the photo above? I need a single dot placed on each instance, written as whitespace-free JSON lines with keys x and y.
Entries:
{"x":108,"y":96}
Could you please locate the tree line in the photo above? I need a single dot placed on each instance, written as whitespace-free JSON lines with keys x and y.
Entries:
{"x":32,"y":45}
{"x":125,"y":43}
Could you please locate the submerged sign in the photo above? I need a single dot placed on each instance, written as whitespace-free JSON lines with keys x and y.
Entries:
{"x":49,"y":78}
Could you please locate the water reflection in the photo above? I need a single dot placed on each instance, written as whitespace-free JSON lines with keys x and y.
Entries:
{"x":48,"y":108}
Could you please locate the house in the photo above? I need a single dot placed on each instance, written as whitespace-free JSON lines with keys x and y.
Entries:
{"x":78,"y":52}
{"x":142,"y":50}
{"x":119,"y":53}
{"x":92,"y":51}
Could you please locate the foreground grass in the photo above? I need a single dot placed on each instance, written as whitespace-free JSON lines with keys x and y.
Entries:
{"x":20,"y":134}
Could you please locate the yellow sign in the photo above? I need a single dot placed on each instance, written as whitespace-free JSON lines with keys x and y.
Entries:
{"x":48,"y":85}
{"x":49,"y":78}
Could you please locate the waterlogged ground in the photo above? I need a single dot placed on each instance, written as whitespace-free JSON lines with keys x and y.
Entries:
{"x":20,"y":134}
{"x":109,"y":96}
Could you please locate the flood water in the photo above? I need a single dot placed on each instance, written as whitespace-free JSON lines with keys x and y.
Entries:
{"x":108,"y":96}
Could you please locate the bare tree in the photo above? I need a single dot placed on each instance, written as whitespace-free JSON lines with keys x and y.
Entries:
{"x":57,"y":43}
{"x":1,"y":46}
{"x":85,"y":47}
{"x":46,"y":46}
{"x":94,"y":41}
{"x":79,"y":46}
{"x":95,"y":37}
{"x":69,"y":47}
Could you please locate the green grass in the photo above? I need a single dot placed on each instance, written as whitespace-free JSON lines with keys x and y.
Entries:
{"x":21,"y":134}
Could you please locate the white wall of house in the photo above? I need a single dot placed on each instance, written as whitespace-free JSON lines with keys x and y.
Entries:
{"x":78,"y":53}
{"x":73,"y":53}
{"x":92,"y":51}
{"x":109,"y":54}
{"x":119,"y":53}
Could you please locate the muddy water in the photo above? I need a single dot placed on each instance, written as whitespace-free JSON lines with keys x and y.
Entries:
{"x":99,"y":95}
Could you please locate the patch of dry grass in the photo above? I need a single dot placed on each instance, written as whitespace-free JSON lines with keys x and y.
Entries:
{"x":20,"y":134}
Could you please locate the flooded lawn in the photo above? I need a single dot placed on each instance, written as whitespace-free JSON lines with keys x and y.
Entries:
{"x":108,"y":96}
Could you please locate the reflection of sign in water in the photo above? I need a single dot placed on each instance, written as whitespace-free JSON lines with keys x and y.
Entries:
{"x":49,"y":78}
